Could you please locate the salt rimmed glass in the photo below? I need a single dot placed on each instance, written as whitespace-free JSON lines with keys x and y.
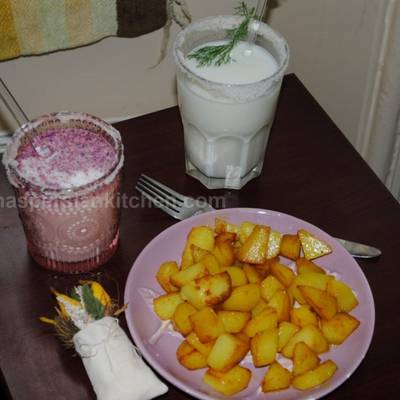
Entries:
{"x":68,"y":230}
{"x":226,"y":126}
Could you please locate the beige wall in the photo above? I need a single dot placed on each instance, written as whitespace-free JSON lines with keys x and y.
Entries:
{"x":330,"y":42}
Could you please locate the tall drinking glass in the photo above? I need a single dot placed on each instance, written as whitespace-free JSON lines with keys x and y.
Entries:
{"x":67,"y":201}
{"x":227,"y":122}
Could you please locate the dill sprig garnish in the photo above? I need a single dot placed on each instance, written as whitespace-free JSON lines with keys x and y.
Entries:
{"x":221,"y":54}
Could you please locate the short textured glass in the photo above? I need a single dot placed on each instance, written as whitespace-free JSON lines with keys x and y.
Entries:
{"x":69,"y":230}
{"x":226,"y":126}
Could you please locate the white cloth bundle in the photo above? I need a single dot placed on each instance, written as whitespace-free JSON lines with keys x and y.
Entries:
{"x":114,"y":368}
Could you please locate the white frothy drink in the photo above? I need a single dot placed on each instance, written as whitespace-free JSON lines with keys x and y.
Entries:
{"x":227,"y":110}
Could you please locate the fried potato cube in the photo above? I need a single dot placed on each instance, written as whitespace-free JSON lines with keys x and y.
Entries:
{"x":181,"y":320}
{"x":224,"y":253}
{"x":339,"y":328}
{"x":263,"y":347}
{"x":194,"y":360}
{"x":269,"y":286}
{"x":198,"y":253}
{"x":254,"y":249}
{"x":201,"y":236}
{"x":165,"y":305}
{"x":346,"y":299}
{"x":304,"y":266}
{"x":234,"y":321}
{"x":230,"y":382}
{"x":312,"y":246}
{"x":164,"y":273}
{"x":285,"y":332}
{"x":206,"y":324}
{"x":283,"y":273}
{"x":311,"y":336}
{"x":211,"y":263}
{"x":238,"y":276}
{"x":267,"y":319}
{"x":243,"y":298}
{"x":312,"y":279}
{"x":209,"y":290}
{"x":187,"y":275}
{"x":183,"y":349}
{"x":228,"y":350}
{"x":290,"y":246}
{"x":276,"y":378}
{"x":303,"y":316}
{"x":253,"y":276}
{"x":315,"y":377}
{"x":203,"y":348}
{"x":320,"y":301}
{"x":245,"y":230}
{"x":260,"y":307}
{"x":222,"y":226}
{"x":304,"y":359}
{"x":274,"y":243}
{"x":281,"y":303}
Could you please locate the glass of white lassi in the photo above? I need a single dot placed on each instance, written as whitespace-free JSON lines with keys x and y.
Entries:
{"x":227,"y":110}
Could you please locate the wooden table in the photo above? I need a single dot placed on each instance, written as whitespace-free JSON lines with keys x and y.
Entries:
{"x":310,"y":171}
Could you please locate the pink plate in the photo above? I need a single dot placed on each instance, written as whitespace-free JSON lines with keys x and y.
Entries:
{"x":141,"y":287}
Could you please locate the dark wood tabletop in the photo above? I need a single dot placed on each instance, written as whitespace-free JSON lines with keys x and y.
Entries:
{"x":311,"y":171}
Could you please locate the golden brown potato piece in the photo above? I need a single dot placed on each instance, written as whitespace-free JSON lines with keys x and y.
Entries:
{"x":245,"y":230}
{"x":238,"y":276}
{"x":269,"y":286}
{"x":198,"y":253}
{"x":281,"y":303}
{"x":311,"y":336}
{"x":260,"y":307}
{"x":165,"y":305}
{"x":206,"y":324}
{"x":227,"y":351}
{"x":267,"y":319}
{"x":312,"y":279}
{"x":315,"y":377}
{"x":224,"y":253}
{"x":211,"y":263}
{"x":290,"y":246}
{"x":183,"y":349}
{"x":230,"y":382}
{"x":253,"y":276}
{"x":304,"y":359}
{"x":303,"y":316}
{"x":254,"y":249}
{"x":339,"y":328}
{"x":164,"y":273}
{"x":283,"y":273}
{"x":181,"y":320}
{"x":285,"y":332}
{"x":276,"y":378}
{"x":264,"y":346}
{"x":222,"y":226}
{"x":189,"y":274}
{"x":312,"y":246}
{"x":274,"y":244}
{"x":208,"y":291}
{"x":194,"y":360}
{"x":203,"y":348}
{"x":243,"y":298}
{"x":320,"y":301}
{"x":234,"y":321}
{"x":304,"y":266}
{"x":346,"y":299}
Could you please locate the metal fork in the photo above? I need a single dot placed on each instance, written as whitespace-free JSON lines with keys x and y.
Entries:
{"x":181,"y":207}
{"x":173,"y":203}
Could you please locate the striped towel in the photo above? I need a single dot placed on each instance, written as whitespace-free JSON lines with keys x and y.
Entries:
{"x":30,"y":27}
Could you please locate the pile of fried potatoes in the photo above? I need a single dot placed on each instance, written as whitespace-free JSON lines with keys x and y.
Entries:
{"x":233,"y":294}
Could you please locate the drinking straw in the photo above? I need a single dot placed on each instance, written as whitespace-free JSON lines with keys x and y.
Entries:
{"x":19,"y":115}
{"x":260,"y":10}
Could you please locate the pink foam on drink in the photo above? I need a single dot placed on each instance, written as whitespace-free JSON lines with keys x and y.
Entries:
{"x":78,"y":157}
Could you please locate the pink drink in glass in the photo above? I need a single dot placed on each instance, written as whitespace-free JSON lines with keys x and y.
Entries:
{"x":68,"y":200}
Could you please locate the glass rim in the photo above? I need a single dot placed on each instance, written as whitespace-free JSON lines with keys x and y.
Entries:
{"x":63,"y":193}
{"x":178,"y":55}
